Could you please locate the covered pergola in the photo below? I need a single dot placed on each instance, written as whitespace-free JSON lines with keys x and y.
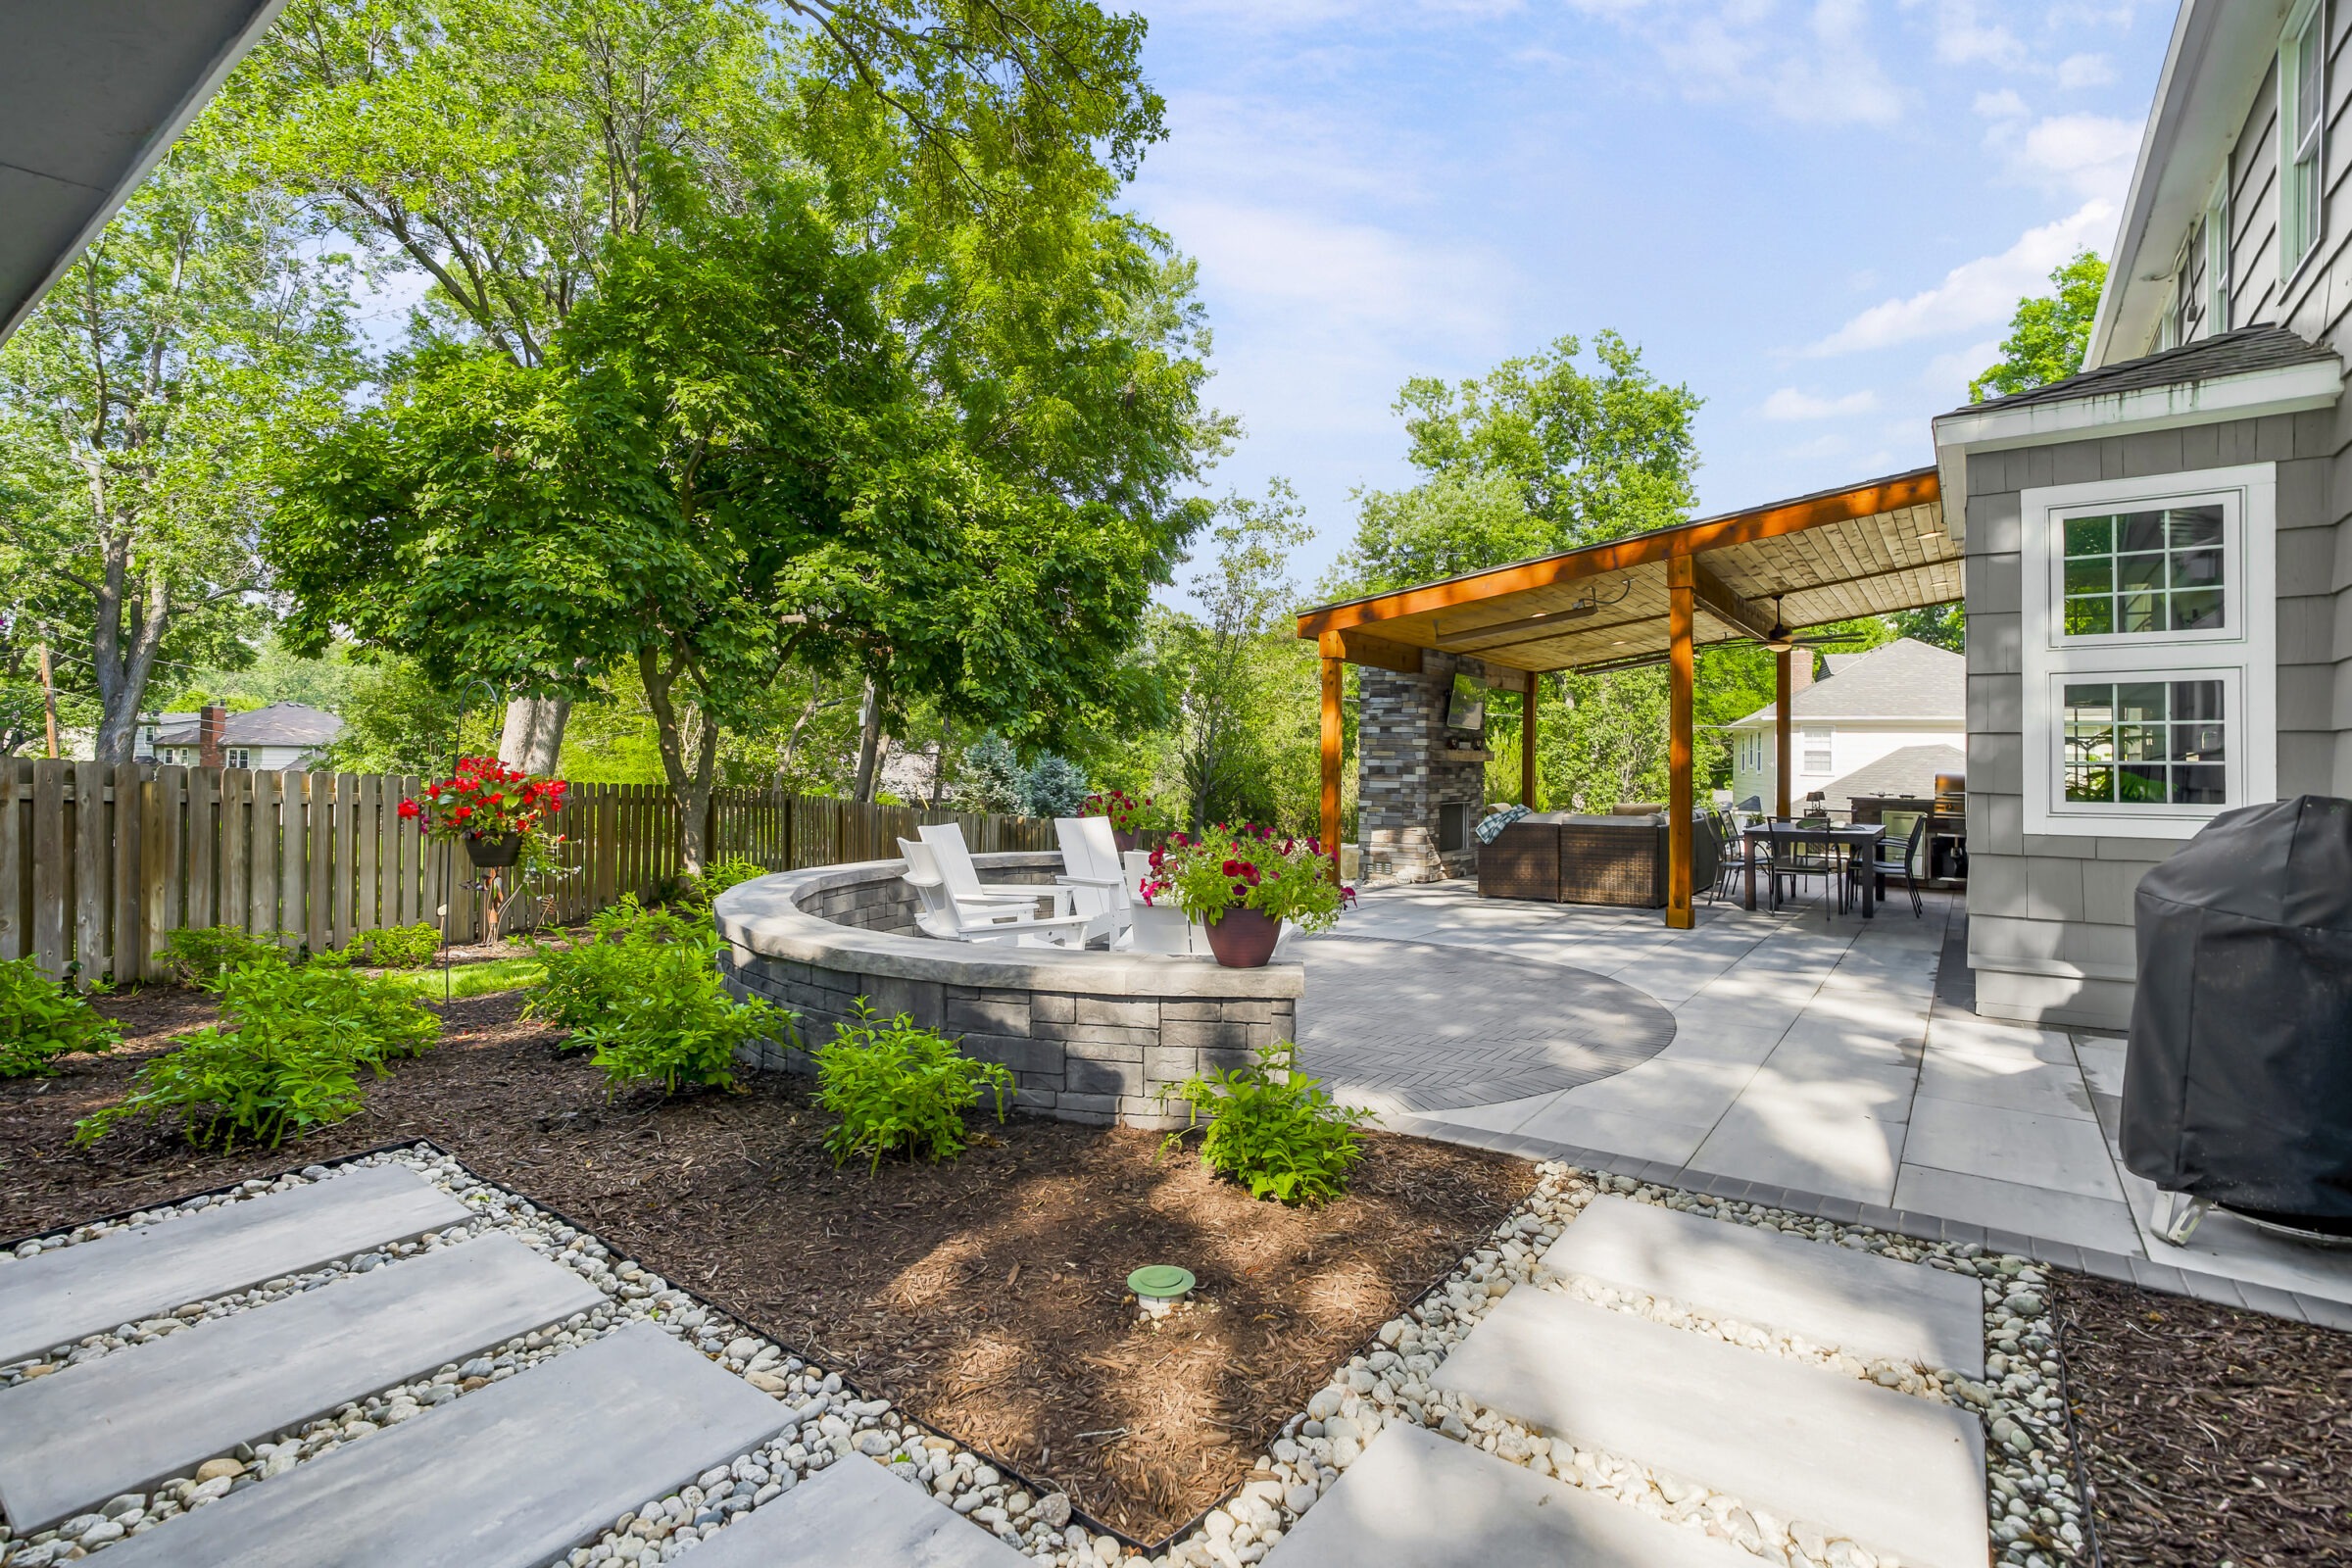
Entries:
{"x":1759,"y":575}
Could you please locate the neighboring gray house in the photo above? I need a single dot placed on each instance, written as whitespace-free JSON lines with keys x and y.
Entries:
{"x":271,"y":739}
{"x":2159,"y":579}
{"x":1903,"y":697}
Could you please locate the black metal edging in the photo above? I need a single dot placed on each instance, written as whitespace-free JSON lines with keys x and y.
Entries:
{"x":2085,"y":1491}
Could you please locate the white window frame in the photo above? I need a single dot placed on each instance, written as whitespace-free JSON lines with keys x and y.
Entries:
{"x":1804,"y":753}
{"x":2302,"y":219}
{"x":237,"y":757}
{"x":2242,"y":652}
{"x":2217,"y":255}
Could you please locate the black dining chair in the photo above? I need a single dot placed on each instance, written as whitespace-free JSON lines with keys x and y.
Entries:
{"x":1792,"y":858}
{"x":1883,"y":863}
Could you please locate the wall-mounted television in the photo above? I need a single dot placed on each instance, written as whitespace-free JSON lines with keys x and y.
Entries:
{"x":1466,"y":708}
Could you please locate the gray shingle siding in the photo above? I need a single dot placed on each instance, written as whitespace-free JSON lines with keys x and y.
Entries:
{"x":2050,"y":932}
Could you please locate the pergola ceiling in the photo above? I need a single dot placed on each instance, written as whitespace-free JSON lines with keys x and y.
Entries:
{"x":1863,"y":549}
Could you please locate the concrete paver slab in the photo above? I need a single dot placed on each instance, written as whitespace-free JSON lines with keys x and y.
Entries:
{"x":57,"y":1297}
{"x":1807,"y":1136}
{"x":511,"y":1476}
{"x":1893,"y":1472}
{"x":2065,"y":1153}
{"x":2026,"y":1084}
{"x":125,"y":1421}
{"x":2102,"y":1222}
{"x":1834,"y":1295}
{"x":1614,"y":1132}
{"x":855,"y":1514}
{"x":1414,"y":1499}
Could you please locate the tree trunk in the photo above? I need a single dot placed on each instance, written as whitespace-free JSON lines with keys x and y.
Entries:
{"x":533,"y":739}
{"x":870,"y":743}
{"x":689,"y":782}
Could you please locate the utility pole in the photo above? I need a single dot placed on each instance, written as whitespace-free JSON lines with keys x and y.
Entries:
{"x":49,"y":697}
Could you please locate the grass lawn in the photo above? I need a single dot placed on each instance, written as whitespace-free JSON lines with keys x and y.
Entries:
{"x":471,"y":979}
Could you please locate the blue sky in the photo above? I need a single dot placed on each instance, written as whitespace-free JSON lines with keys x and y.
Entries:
{"x":1817,"y":214}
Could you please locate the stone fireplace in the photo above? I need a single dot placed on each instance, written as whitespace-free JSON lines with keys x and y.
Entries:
{"x":1422,"y":786}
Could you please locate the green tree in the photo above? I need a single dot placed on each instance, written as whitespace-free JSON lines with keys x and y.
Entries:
{"x":1244,"y":594}
{"x":2049,"y":334}
{"x":1595,"y":453}
{"x":1943,"y":626}
{"x":142,"y":410}
{"x":500,"y":146}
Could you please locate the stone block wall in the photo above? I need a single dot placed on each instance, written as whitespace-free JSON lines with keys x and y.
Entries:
{"x":1096,"y":1055}
{"x":1406,"y":772}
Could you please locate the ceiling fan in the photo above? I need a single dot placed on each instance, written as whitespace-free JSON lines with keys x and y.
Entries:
{"x":1781,"y":639}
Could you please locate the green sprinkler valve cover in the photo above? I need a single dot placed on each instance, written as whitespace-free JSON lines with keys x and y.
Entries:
{"x":1163,"y":1280}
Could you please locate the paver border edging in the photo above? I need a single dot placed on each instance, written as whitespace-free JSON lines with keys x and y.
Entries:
{"x":1093,"y":1037}
{"x":2149,"y":1275}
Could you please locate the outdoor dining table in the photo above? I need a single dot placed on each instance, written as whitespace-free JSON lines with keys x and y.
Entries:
{"x":1847,"y":836}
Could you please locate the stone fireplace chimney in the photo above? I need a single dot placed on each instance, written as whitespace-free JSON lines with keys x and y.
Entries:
{"x":212,"y":724}
{"x":1422,"y":787}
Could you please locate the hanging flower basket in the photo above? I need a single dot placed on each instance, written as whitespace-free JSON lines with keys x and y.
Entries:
{"x":491,"y":850}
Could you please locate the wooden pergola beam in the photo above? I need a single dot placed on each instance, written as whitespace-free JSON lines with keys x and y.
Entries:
{"x":1740,"y":615}
{"x":1894,"y":494}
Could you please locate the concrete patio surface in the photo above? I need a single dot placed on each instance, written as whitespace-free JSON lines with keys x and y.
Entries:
{"x":1814,"y":1052}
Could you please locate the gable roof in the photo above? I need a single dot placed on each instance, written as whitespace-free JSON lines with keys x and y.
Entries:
{"x":279,"y":724}
{"x":1902,"y":679}
{"x":2239,"y":352}
{"x":1908,"y":771}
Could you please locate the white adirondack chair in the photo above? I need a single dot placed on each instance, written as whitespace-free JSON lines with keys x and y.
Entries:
{"x":1156,"y":927}
{"x":962,"y":878}
{"x":944,"y":917}
{"x":1090,"y":858}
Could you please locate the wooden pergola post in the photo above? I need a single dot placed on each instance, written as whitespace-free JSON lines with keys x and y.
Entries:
{"x":1332,"y":688}
{"x":1682,"y":577}
{"x":1781,"y":731}
{"x":1527,"y":743}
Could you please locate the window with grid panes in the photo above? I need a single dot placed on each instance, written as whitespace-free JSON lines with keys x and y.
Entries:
{"x":2144,"y":572}
{"x":2302,"y":134}
{"x":2146,"y":743}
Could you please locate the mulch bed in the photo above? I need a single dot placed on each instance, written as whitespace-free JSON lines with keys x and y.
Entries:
{"x":2212,"y":1435}
{"x":985,"y":1296}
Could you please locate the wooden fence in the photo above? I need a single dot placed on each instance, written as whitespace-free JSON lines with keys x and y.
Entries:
{"x":99,"y":864}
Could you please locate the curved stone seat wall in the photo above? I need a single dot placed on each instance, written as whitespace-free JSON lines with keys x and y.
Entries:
{"x":1089,"y":1037}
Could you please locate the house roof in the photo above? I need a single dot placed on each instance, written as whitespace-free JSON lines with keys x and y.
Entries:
{"x":1909,"y":772}
{"x":1902,"y":679}
{"x":279,"y":724}
{"x":2235,"y":353}
{"x":91,"y":96}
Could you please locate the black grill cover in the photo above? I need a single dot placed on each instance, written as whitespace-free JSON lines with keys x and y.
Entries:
{"x":2238,"y":1085}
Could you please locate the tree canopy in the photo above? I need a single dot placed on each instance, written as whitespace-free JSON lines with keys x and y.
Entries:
{"x":2049,"y":334}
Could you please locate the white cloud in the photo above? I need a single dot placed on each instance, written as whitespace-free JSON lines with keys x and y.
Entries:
{"x":2002,"y":105}
{"x":2084,"y":70}
{"x":2086,"y":155}
{"x":1338,"y":274}
{"x":1978,"y":293}
{"x":1789,"y":404}
{"x":1963,"y":37}
{"x":1823,"y":73}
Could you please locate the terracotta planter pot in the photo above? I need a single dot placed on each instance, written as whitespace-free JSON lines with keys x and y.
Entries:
{"x":493,"y":850}
{"x":1243,"y":939}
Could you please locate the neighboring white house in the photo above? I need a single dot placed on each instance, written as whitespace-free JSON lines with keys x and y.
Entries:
{"x":1881,"y":722}
{"x":271,"y":739}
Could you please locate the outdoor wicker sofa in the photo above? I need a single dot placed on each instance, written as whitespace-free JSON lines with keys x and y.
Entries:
{"x":1562,"y":858}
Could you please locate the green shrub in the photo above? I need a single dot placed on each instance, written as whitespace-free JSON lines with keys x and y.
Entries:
{"x":197,"y":955}
{"x":41,"y":1021}
{"x":670,"y":1017}
{"x":286,"y":1057}
{"x":896,"y":1087}
{"x":1271,"y":1128}
{"x":401,"y":947}
{"x":590,"y":976}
